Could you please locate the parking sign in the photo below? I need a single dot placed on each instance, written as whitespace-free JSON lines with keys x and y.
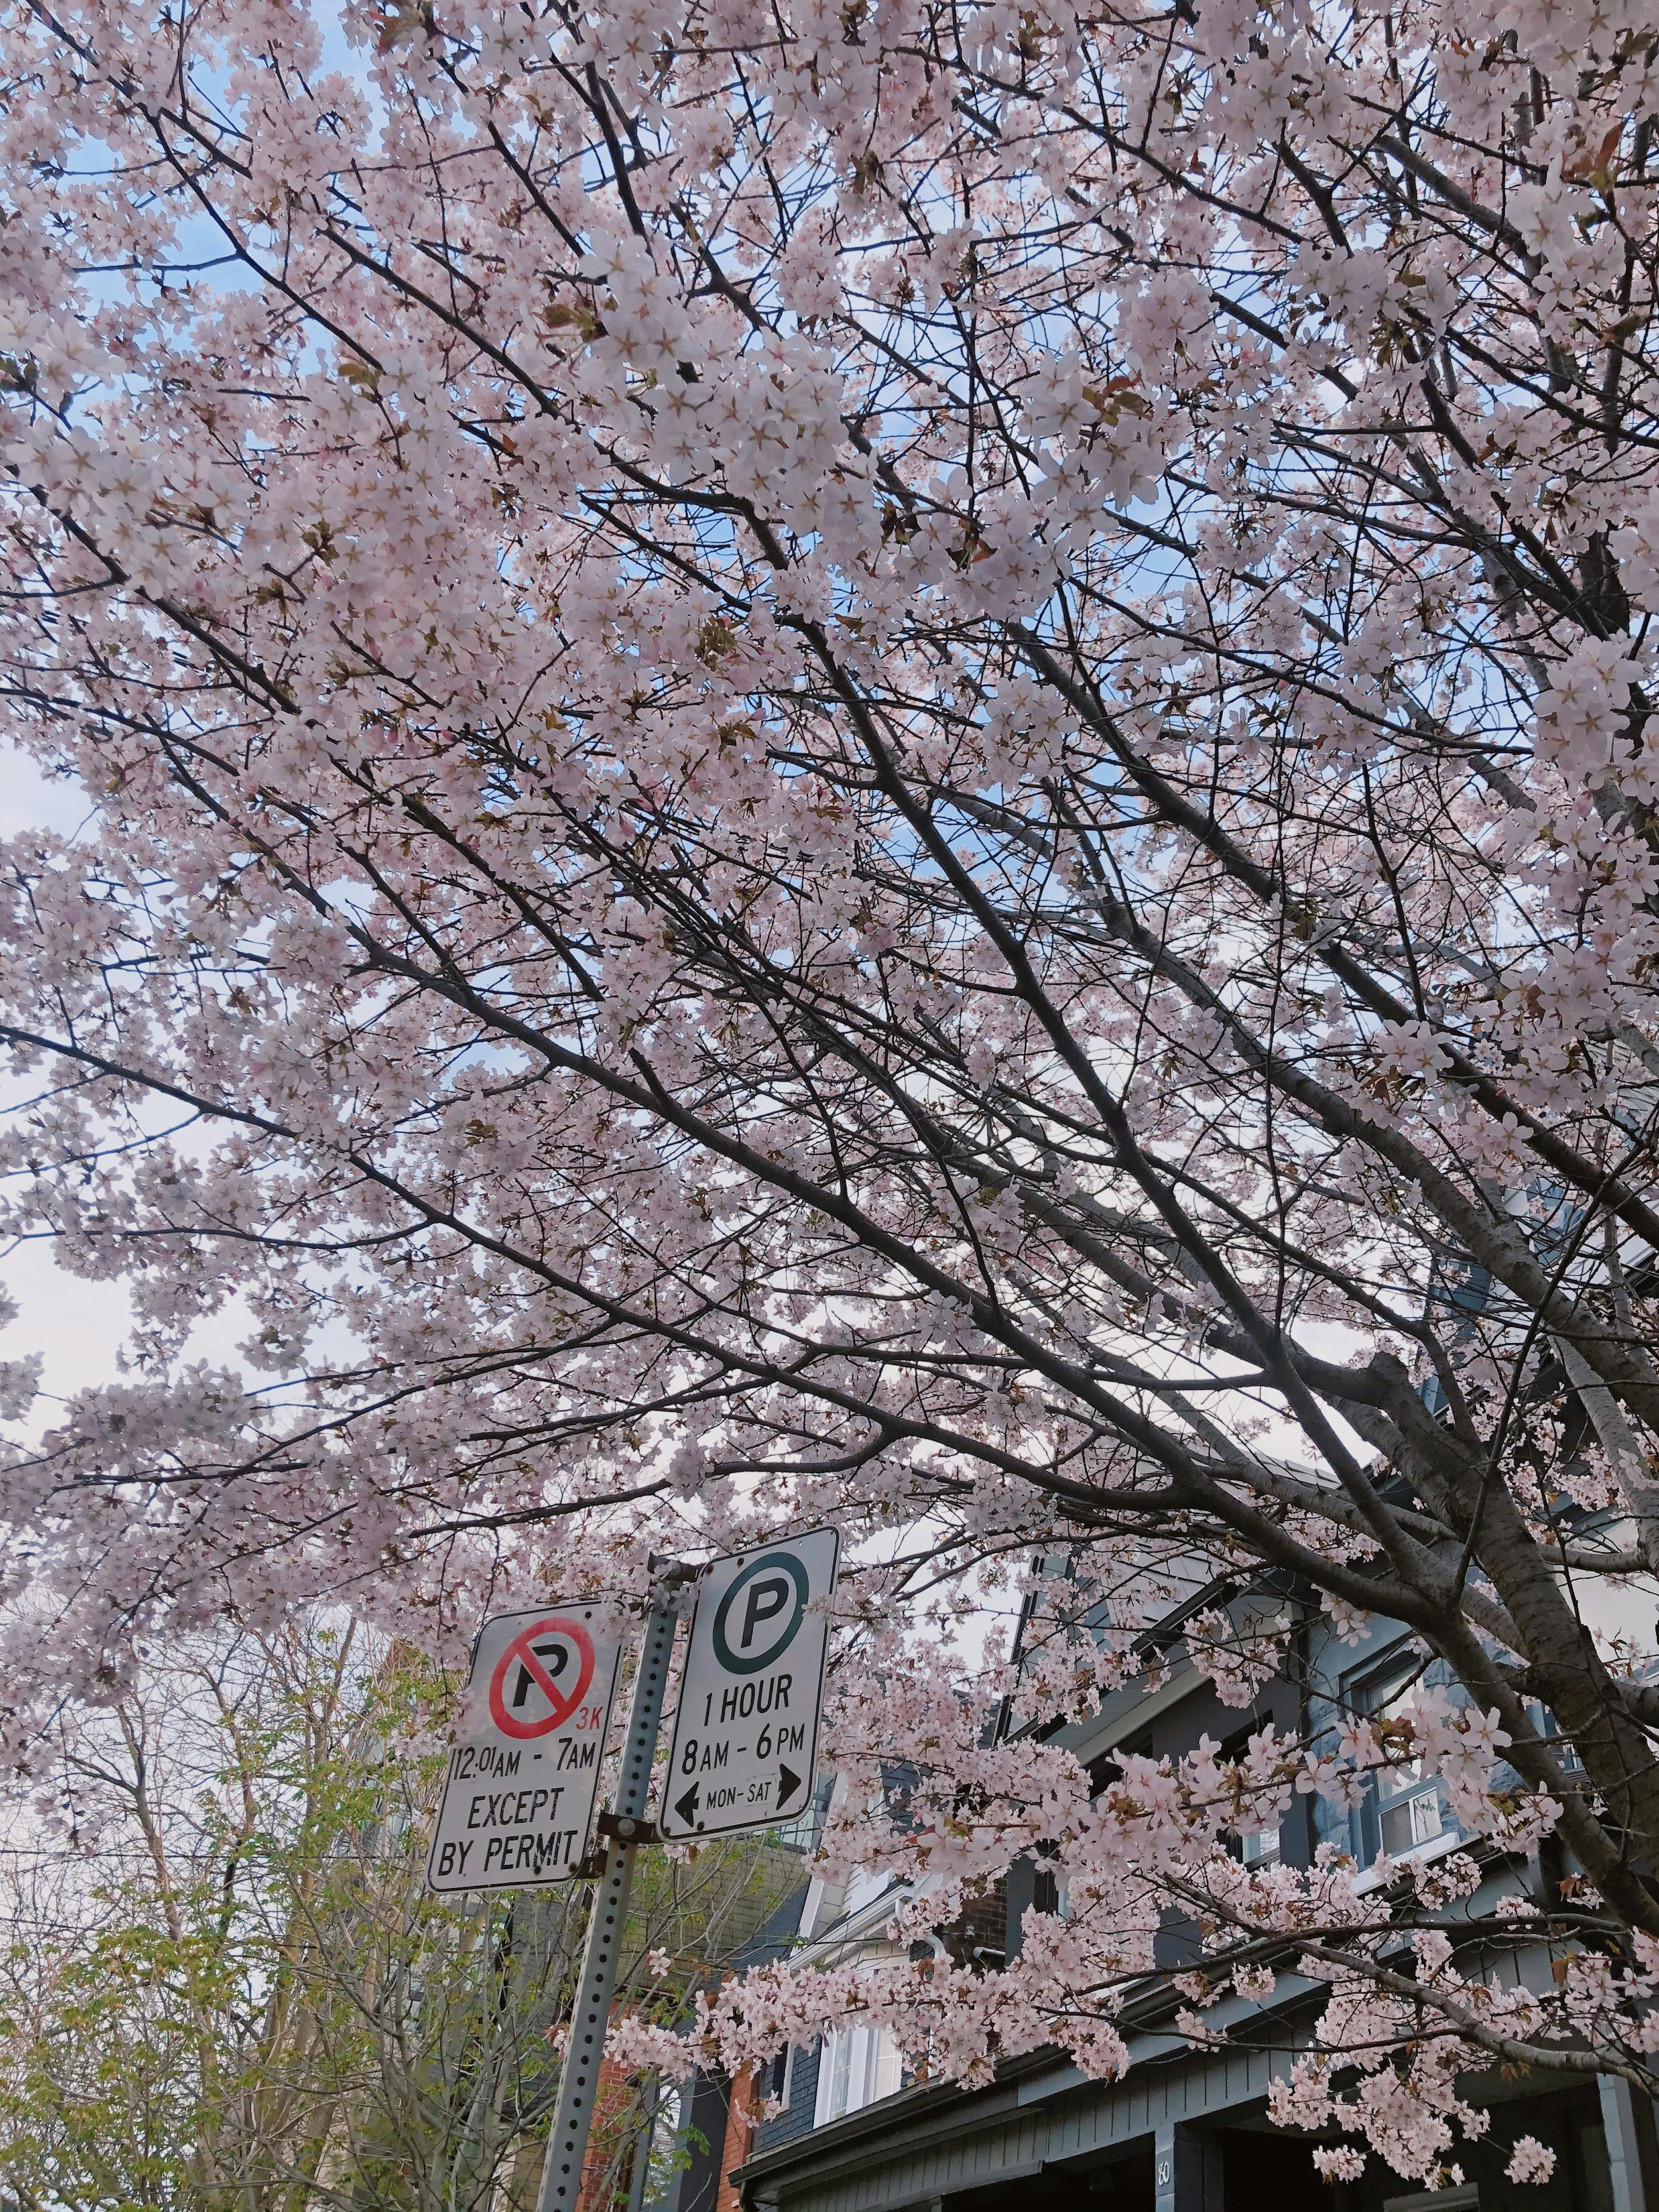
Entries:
{"x":745,"y":1740}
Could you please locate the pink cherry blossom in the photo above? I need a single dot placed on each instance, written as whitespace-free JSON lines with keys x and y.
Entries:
{"x":1530,"y":2161}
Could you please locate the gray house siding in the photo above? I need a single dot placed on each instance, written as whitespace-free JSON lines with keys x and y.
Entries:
{"x":1185,"y":2131}
{"x":797,"y":2119}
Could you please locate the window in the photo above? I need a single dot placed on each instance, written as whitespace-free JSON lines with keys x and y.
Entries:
{"x":1261,"y":1850}
{"x":863,"y":1885}
{"x":781,"y":2076}
{"x":1265,"y":1847}
{"x":1408,"y":1815}
{"x":1408,"y":1810}
{"x":1565,"y":1751}
{"x":1108,"y":1768}
{"x":858,"y":2066}
{"x":801,"y":1833}
{"x":663,"y":2155}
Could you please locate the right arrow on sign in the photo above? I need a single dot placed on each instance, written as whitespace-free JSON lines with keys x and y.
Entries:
{"x":788,"y":1782}
{"x":686,"y":1806}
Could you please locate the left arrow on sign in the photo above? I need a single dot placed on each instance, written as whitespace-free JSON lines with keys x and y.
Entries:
{"x":686,"y":1806}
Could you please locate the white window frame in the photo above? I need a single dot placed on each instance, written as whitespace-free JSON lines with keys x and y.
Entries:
{"x":1405,"y":1793}
{"x":781,"y":2095}
{"x":1261,"y":1847}
{"x":857,"y":2066}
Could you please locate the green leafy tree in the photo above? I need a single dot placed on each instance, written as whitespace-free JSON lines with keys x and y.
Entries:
{"x":228,"y":1987}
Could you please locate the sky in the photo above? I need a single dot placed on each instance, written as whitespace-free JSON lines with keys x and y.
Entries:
{"x":76,"y":1326}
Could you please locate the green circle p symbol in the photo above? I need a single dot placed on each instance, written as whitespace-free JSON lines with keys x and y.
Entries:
{"x":767,"y":1587}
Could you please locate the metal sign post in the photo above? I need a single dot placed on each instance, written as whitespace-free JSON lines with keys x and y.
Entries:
{"x":624,"y":1829}
{"x":526,"y":1766}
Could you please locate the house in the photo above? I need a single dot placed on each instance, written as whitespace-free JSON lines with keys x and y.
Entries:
{"x":1185,"y":2130}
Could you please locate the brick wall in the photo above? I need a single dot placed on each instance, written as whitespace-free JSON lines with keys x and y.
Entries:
{"x":742,"y":2122}
{"x":608,"y":2168}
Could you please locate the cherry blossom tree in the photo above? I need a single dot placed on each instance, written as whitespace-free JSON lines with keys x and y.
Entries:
{"x":884,"y":762}
{"x":224,"y":1983}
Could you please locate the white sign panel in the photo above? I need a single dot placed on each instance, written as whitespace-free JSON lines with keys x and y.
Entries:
{"x":519,"y":1796}
{"x":746,"y":1734}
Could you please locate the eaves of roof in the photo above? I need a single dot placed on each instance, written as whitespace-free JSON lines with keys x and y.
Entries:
{"x":930,"y":2110}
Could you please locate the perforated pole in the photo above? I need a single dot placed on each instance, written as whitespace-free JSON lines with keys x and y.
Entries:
{"x":579,"y":2077}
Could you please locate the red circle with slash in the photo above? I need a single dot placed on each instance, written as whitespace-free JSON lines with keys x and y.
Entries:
{"x":521,"y":1653}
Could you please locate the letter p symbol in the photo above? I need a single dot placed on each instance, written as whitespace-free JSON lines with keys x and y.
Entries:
{"x":770,"y":1591}
{"x":766,"y":1599}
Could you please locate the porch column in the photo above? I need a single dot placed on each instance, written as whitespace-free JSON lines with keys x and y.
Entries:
{"x":1187,"y":2170}
{"x":1620,"y":2124}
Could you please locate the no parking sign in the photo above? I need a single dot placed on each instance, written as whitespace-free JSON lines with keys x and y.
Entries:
{"x":519,"y":1796}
